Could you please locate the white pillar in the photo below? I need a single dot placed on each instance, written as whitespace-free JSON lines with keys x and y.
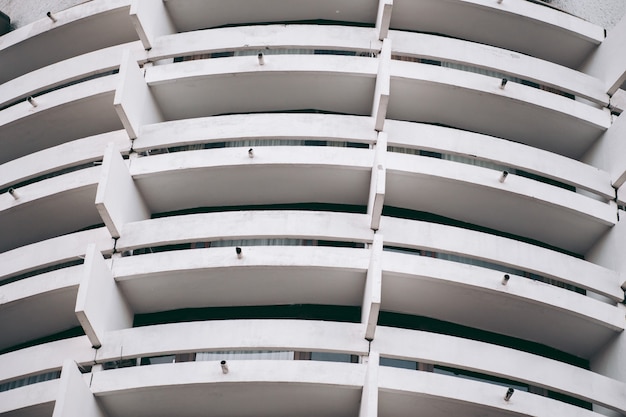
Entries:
{"x":608,"y":61}
{"x":383,"y":19}
{"x":100,"y":305}
{"x":608,"y":152}
{"x":75,"y":399}
{"x":383,"y":86}
{"x":369,"y":395}
{"x":378,"y":182}
{"x":117,"y":198}
{"x":133,"y":100}
{"x":373,"y":288}
{"x":151,"y":20}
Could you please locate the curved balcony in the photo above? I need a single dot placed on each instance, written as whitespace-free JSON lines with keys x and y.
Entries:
{"x":188,"y":15}
{"x":44,"y":254}
{"x":427,"y":93}
{"x":403,"y":391}
{"x":25,"y":213}
{"x":45,"y":42}
{"x":329,"y":83}
{"x":251,"y":388}
{"x":48,"y":163}
{"x":548,"y":34}
{"x":60,"y":116}
{"x":215,"y":277}
{"x":44,"y":358}
{"x":485,"y":150}
{"x":289,"y":38}
{"x":502,"y":251}
{"x":65,"y":73}
{"x":244,"y":225}
{"x":505,"y":363}
{"x":475,"y":57}
{"x":476,"y":297}
{"x":229,"y":177}
{"x":267,"y":126}
{"x":27,"y":304}
{"x":37,"y":400}
{"x":517,"y":205}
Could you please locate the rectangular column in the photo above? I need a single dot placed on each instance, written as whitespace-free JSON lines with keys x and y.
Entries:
{"x":100,"y":305}
{"x":373,"y":288}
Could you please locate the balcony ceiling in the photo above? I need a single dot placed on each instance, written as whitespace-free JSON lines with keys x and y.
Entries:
{"x":50,"y":127}
{"x":566,"y":40}
{"x":522,"y":213}
{"x":493,"y":310}
{"x":202,"y":14}
{"x":106,"y":29}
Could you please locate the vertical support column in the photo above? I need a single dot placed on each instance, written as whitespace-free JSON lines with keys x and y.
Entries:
{"x":378,"y":182}
{"x":608,"y":152}
{"x":369,"y":396}
{"x":151,"y":20}
{"x":608,"y":62}
{"x":610,"y":361}
{"x":100,"y":306}
{"x":383,"y":86}
{"x":133,"y":100}
{"x":373,"y":288}
{"x":383,"y":19}
{"x":117,"y":198}
{"x":75,"y":398}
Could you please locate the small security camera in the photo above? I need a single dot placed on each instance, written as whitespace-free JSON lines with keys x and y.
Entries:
{"x":505,"y":279}
{"x":503,"y":176}
{"x":224,"y":366}
{"x":238,"y":251}
{"x":261,"y":58}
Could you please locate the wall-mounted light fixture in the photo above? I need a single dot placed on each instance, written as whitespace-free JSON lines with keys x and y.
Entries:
{"x":13,"y":193}
{"x":509,"y":394}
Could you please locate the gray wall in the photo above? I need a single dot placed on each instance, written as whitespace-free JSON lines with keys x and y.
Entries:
{"x":605,"y":13}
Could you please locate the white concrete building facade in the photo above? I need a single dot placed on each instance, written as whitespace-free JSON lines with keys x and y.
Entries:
{"x":346,"y":208}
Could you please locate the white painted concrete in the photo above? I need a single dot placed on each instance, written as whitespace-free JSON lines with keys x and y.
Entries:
{"x":117,"y":199}
{"x":373,"y":288}
{"x":78,"y":152}
{"x":404,"y":391}
{"x":219,"y":335}
{"x":37,"y":398}
{"x":503,"y":362}
{"x":503,"y":251}
{"x":45,"y":358}
{"x":100,"y":306}
{"x":133,"y":101}
{"x":246,"y":225}
{"x":284,"y":126}
{"x":75,"y":398}
{"x":591,"y":177}
{"x":53,"y":251}
{"x":500,"y":60}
